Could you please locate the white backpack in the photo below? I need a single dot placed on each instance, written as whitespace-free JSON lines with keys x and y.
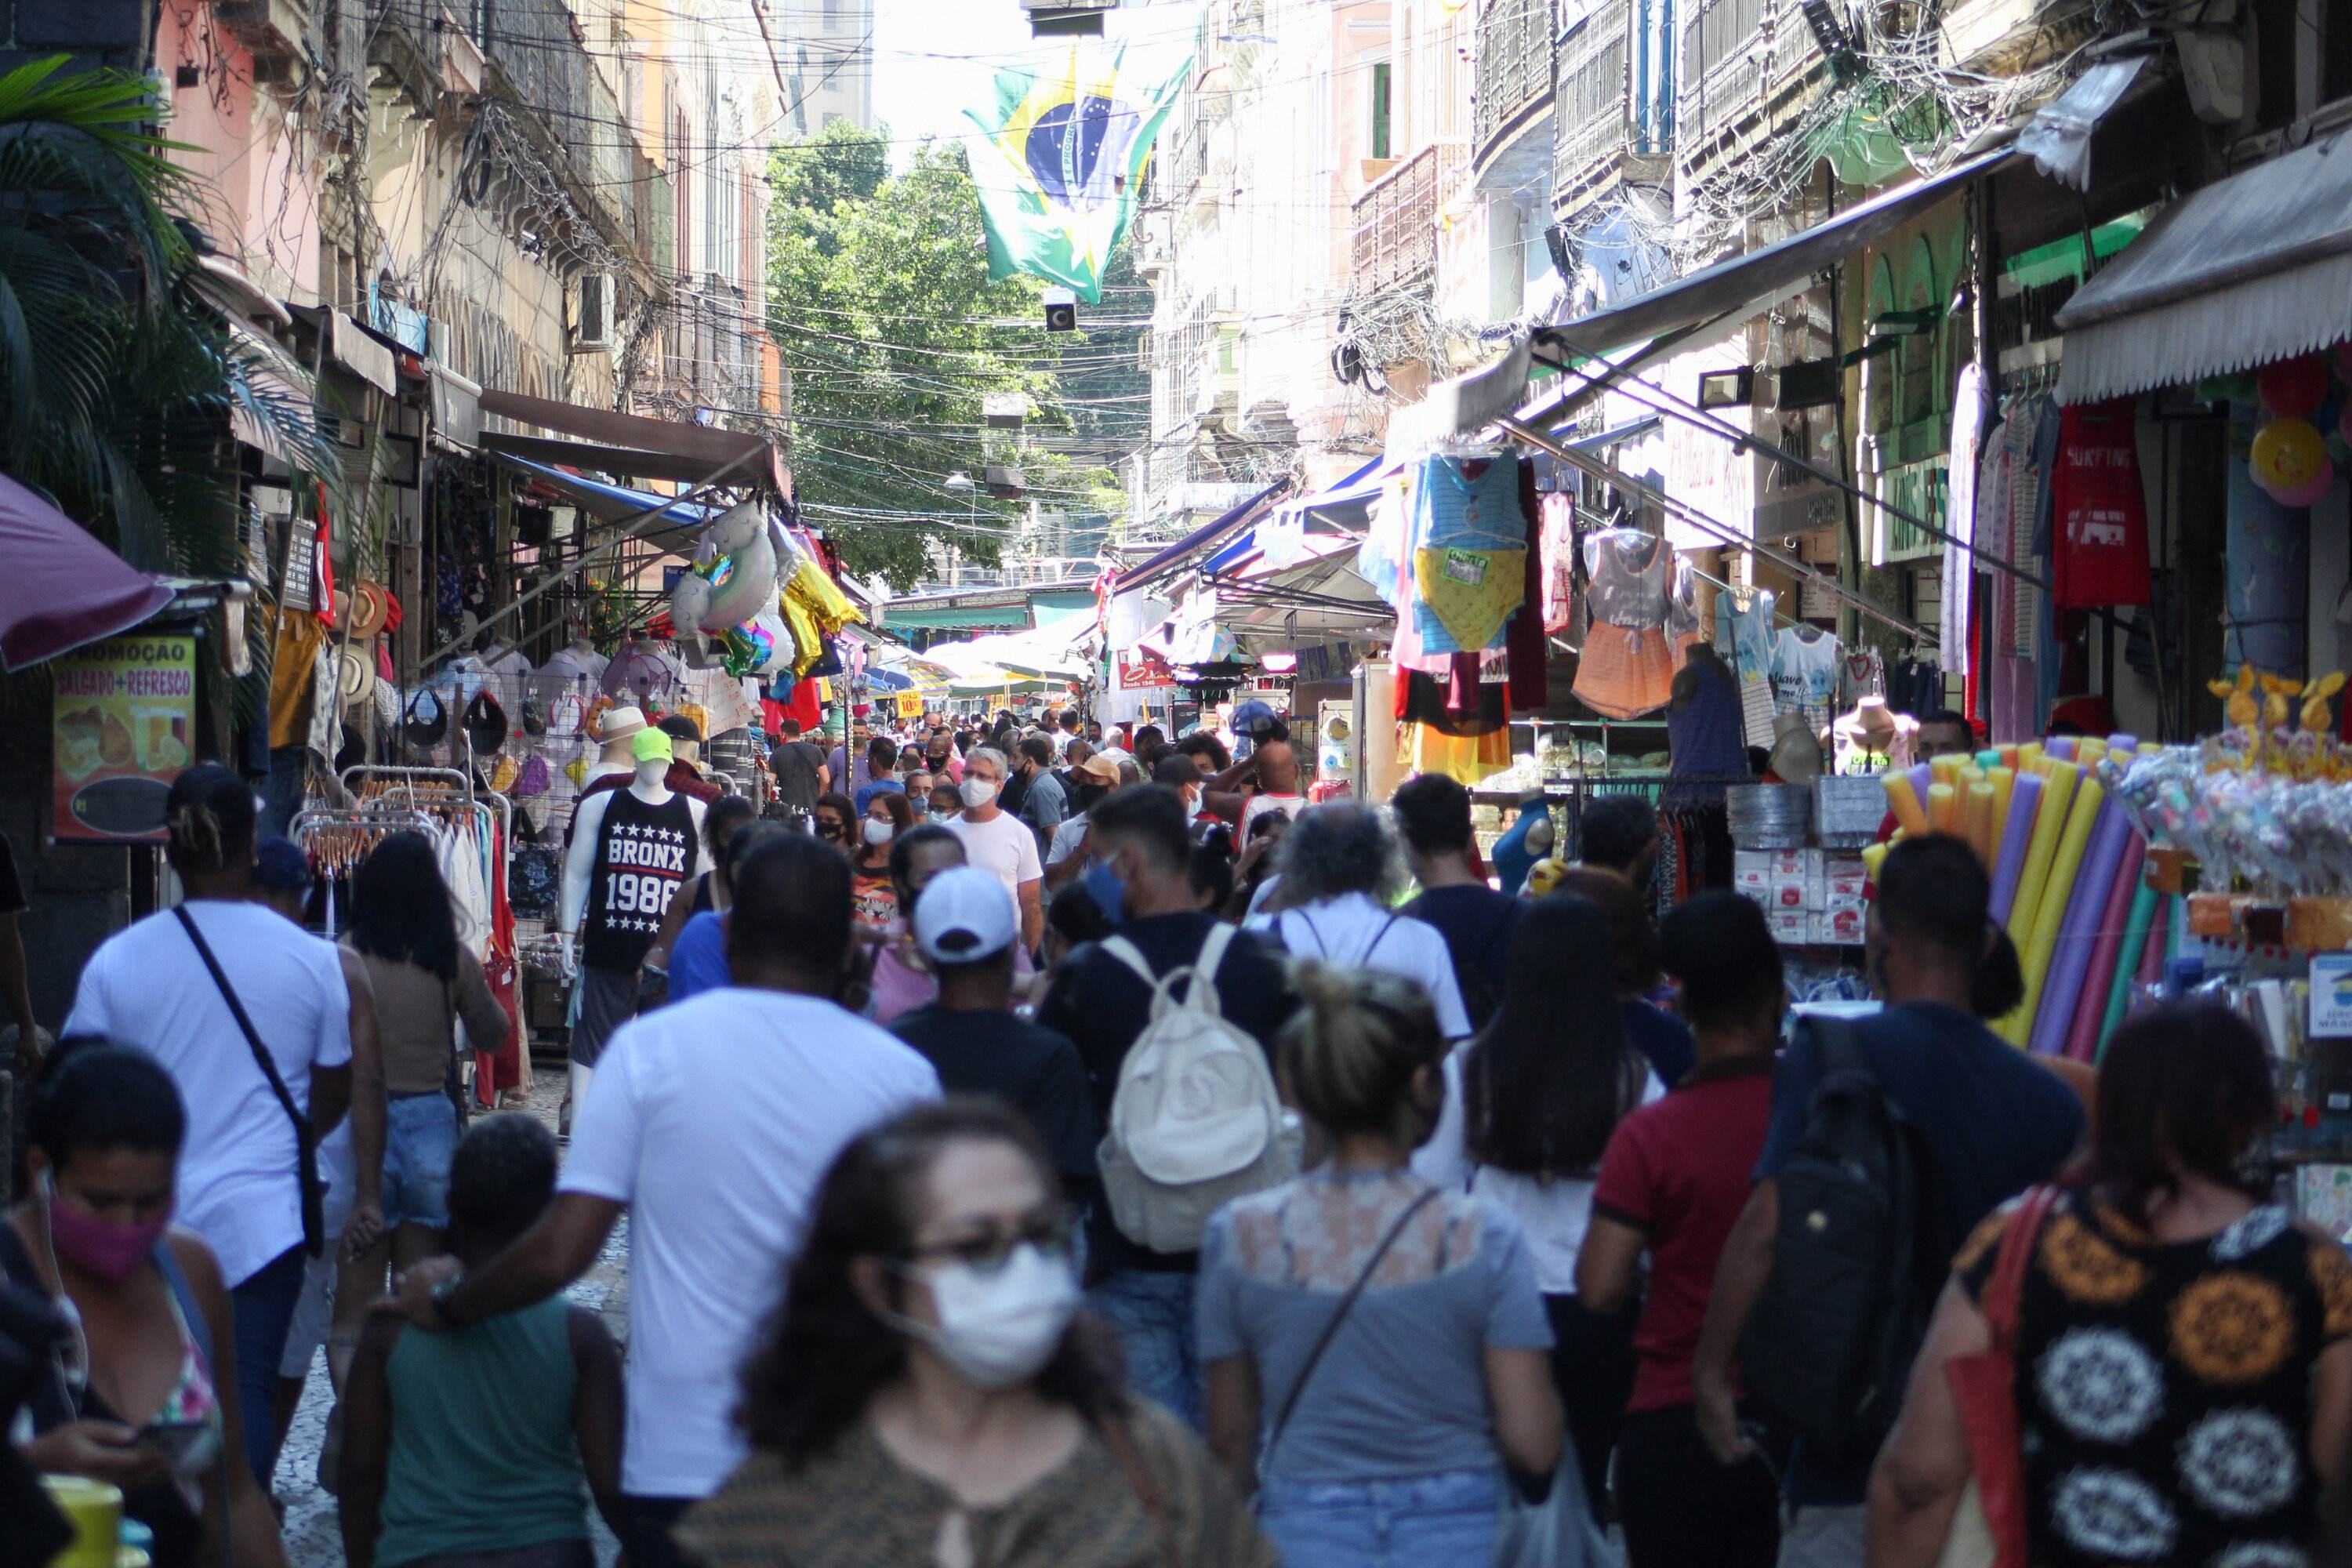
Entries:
{"x":1195,"y":1121}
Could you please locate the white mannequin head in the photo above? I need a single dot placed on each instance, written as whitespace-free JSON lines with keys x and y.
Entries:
{"x":653,"y":753}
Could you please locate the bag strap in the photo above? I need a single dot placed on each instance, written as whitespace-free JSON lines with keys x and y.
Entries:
{"x":1202,"y":992}
{"x":2006,"y":1286}
{"x":261,"y":1057}
{"x":1122,"y":1444}
{"x":1387,"y":926}
{"x":1331,"y":1329}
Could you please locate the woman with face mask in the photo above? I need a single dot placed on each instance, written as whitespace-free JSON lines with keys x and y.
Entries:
{"x":1389,"y":1327}
{"x":887,"y":816}
{"x":930,"y":1393}
{"x":832,"y":819}
{"x":144,"y":1394}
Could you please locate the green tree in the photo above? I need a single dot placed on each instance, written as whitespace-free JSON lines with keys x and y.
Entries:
{"x":882,"y":306}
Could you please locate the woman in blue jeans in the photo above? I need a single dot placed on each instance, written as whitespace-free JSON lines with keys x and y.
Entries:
{"x":1376,"y":1348}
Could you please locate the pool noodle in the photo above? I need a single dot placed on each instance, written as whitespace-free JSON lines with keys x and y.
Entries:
{"x":2059,"y":746}
{"x":2058,"y":788}
{"x":2029,"y":756}
{"x":2049,"y":911}
{"x":2128,"y":962}
{"x":1944,"y":769}
{"x":1989,"y":758}
{"x":1903,"y":800}
{"x":2089,"y":750}
{"x":2076,"y":934}
{"x":1977,"y":819}
{"x":2015,"y":831}
{"x":1943,"y":807}
{"x":2106,"y":949}
{"x":1872,"y":856}
{"x":2009,"y":756}
{"x":2003,"y":780}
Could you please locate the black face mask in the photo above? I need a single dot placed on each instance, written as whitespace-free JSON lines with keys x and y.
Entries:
{"x":828,"y":831}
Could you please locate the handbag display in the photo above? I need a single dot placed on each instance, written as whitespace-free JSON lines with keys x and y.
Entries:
{"x":1989,"y":1529}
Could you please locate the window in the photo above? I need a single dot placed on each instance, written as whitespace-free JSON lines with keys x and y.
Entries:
{"x":1380,"y":109}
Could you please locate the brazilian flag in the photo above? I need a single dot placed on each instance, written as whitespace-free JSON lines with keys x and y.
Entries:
{"x":1059,"y":154}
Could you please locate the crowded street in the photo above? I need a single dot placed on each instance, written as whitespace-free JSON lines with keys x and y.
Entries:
{"x":1175,"y":783}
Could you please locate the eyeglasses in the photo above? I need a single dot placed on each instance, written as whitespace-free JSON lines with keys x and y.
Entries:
{"x":1048,"y":1231}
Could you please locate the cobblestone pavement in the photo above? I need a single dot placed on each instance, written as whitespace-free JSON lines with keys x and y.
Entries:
{"x":313,"y":1538}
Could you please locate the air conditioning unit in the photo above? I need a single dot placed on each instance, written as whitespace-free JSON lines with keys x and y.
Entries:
{"x":594,"y":333}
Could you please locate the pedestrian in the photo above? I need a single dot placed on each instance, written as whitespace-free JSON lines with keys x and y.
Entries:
{"x":706,"y":891}
{"x":712,"y":1121}
{"x":832,"y":817}
{"x":1072,"y":919}
{"x":147,"y":1395}
{"x":1253,"y":874}
{"x":799,"y":769}
{"x":902,"y":979}
{"x":931,"y":1392}
{"x":944,"y":758}
{"x":184,"y":985}
{"x":967,"y":931}
{"x":843,"y":777}
{"x":947,"y":804}
{"x":1671,"y":1186}
{"x":1658,"y":1034}
{"x":1529,"y":1107}
{"x":1400,"y":1357}
{"x":887,"y":816}
{"x":919,"y":785}
{"x":16,"y":988}
{"x":1102,"y":1006}
{"x":475,"y":1446}
{"x":997,"y":841}
{"x":882,"y":778}
{"x":1992,"y":1121}
{"x":2182,"y":1345}
{"x":350,"y":1161}
{"x":698,"y":962}
{"x":1068,"y":857}
{"x":1211,"y":868}
{"x":1044,"y":803}
{"x":1432,"y":814}
{"x":1340,"y":869}
{"x":1619,"y":834}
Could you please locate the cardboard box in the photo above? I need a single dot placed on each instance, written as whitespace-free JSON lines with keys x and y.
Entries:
{"x":1793,"y":926}
{"x":1751,"y":869}
{"x":1843,"y":924}
{"x":1843,"y":877}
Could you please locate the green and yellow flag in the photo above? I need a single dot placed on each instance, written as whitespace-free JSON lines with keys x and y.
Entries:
{"x":1059,"y":153}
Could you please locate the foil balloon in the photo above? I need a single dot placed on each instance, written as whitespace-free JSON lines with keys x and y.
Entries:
{"x":2295,"y":389}
{"x":2308,"y":493}
{"x":743,"y":570}
{"x":2286,"y":455}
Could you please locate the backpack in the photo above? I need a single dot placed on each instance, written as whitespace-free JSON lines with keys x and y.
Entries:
{"x":1195,"y":1121}
{"x":1830,"y":1342}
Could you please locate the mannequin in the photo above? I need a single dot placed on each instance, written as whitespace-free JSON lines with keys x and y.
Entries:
{"x":620,"y":730}
{"x":632,"y":849}
{"x":576,"y":658}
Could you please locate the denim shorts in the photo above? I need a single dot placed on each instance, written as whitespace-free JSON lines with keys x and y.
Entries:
{"x":420,"y":1134}
{"x":1444,"y":1520}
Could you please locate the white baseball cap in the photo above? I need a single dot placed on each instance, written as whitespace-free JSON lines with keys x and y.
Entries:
{"x":963,"y":916}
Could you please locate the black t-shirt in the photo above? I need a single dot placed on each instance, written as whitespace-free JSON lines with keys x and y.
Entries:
{"x":795,"y":765}
{"x":1102,"y":1006}
{"x":1477,"y":924}
{"x":1037,"y":1071}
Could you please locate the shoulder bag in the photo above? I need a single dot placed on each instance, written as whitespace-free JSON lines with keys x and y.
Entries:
{"x":1331,"y":1329}
{"x":1988,"y":1527}
{"x":305,"y":1142}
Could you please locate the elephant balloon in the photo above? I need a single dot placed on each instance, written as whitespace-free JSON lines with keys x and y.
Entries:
{"x":690,"y":613}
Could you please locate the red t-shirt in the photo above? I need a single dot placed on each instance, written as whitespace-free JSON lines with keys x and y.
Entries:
{"x":1679,"y":1171}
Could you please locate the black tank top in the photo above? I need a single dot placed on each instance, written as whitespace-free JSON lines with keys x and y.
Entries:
{"x":644,"y":855}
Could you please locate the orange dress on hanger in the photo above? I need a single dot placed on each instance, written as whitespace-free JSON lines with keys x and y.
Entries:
{"x":1627,"y":667}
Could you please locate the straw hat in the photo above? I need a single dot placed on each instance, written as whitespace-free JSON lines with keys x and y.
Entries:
{"x":355,"y":673}
{"x":371,"y":608}
{"x":619,"y":723}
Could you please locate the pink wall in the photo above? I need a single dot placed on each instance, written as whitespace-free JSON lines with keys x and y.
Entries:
{"x":258,"y":195}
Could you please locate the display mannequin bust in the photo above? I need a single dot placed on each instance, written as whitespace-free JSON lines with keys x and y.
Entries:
{"x":618,"y":734}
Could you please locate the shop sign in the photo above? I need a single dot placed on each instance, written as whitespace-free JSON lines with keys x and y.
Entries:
{"x":125,"y":719}
{"x":2331,"y":995}
{"x":1143,"y":672}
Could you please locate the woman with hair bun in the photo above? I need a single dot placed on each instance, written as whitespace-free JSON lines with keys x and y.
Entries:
{"x":1390,"y":1329}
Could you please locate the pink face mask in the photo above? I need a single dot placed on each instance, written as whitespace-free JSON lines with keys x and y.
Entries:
{"x":100,"y":1247}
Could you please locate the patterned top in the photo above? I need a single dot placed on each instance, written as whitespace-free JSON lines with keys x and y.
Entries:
{"x":858,"y":1508}
{"x":2164,"y":1390}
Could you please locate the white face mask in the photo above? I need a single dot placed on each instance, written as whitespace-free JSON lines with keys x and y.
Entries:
{"x":997,"y":1329}
{"x":878,"y":831}
{"x":977,"y":792}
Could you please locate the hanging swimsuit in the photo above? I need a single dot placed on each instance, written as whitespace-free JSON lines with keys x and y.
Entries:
{"x":1469,"y":557}
{"x":1626,"y":668}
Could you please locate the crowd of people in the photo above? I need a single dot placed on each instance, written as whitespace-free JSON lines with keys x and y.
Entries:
{"x":1074,"y":1148}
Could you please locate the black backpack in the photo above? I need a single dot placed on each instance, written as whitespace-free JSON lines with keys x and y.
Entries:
{"x":1829,"y":1343}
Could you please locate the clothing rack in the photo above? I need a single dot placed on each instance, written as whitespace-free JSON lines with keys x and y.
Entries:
{"x":337,"y":837}
{"x":429,"y":788}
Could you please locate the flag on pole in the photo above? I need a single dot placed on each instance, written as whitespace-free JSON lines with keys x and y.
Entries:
{"x":1058,"y":153}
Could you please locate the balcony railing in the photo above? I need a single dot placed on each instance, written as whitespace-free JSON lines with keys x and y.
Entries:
{"x":1723,"y":68}
{"x":1592,"y":118}
{"x":1395,"y":238}
{"x":552,"y":80}
{"x":1517,"y":51}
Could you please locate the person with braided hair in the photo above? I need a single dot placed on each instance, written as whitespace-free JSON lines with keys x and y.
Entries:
{"x":251,"y":1017}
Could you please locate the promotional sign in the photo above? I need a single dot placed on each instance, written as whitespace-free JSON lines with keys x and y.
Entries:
{"x":1141,"y":672}
{"x":126,"y":715}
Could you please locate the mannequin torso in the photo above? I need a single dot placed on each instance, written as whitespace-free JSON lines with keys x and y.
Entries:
{"x":632,"y":849}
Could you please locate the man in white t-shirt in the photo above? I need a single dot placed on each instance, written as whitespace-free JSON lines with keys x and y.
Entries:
{"x":1338,"y":864}
{"x":998,"y":842}
{"x":713,"y":1123}
{"x":148,"y":987}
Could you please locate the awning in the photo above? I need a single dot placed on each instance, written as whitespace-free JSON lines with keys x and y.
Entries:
{"x":615,"y":503}
{"x":1340,"y":508}
{"x":2247,"y":271}
{"x":457,"y":405}
{"x":63,"y":589}
{"x":1166,"y":560}
{"x":269,"y":389}
{"x":625,"y":444}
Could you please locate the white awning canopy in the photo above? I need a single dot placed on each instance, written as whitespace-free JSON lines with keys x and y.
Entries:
{"x":2245,"y":272}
